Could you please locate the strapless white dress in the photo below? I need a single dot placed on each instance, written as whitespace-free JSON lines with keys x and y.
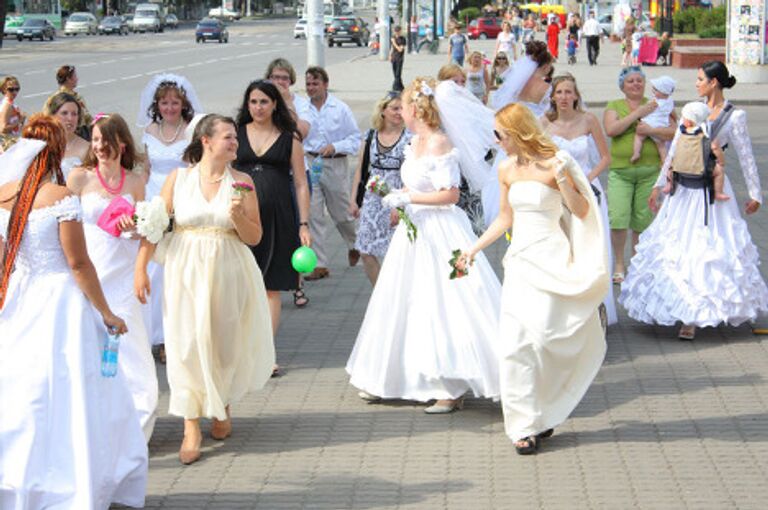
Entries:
{"x":555,"y":276}
{"x":115,"y":259}
{"x":163,"y":160}
{"x":67,"y":164}
{"x":584,"y":151}
{"x":69,"y":438}
{"x":425,"y":336}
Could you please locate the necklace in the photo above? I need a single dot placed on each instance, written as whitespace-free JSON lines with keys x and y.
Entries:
{"x":216,"y":180}
{"x":175,"y":134}
{"x":112,"y":191}
{"x":260,"y":151}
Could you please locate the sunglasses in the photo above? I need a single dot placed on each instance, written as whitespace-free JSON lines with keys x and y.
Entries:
{"x":497,"y":135}
{"x":13,"y":89}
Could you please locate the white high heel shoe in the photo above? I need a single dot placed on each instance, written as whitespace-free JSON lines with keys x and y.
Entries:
{"x":368,"y":397}
{"x":449,"y":407}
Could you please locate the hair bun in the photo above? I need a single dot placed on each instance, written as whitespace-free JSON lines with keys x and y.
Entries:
{"x":730,"y":82}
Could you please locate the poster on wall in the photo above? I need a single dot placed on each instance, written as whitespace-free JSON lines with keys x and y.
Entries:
{"x":747,"y":32}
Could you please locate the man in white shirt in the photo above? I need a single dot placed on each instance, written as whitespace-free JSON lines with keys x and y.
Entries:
{"x":334,"y":135}
{"x":591,"y":32}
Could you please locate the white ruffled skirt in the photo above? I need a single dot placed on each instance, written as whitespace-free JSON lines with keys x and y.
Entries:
{"x":700,"y":275}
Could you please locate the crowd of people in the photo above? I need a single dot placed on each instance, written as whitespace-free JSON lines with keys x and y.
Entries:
{"x":245,"y":193}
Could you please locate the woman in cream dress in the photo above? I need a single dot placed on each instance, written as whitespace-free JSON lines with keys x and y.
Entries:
{"x":555,"y":277}
{"x":218,"y":330}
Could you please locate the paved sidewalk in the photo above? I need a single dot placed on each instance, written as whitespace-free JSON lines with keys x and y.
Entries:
{"x":666,"y":425}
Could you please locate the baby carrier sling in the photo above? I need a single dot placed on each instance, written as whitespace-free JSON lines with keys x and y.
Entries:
{"x":694,"y":162}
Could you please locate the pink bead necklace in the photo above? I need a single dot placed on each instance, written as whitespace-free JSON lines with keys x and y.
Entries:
{"x":112,"y":191}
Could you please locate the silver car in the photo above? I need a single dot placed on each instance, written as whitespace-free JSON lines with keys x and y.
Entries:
{"x":81,"y":23}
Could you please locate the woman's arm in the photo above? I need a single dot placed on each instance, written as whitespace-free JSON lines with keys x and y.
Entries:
{"x":596,"y":130}
{"x":352,"y":208}
{"x":244,"y":213}
{"x":5,"y":115}
{"x":614,"y":126}
{"x":442,"y":197}
{"x":301,"y":186}
{"x":739,"y":135}
{"x":572,"y":197}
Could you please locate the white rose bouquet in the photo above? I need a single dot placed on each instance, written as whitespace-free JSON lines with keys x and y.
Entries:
{"x":151,"y":218}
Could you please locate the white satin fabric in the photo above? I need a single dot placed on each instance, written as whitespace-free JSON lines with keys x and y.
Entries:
{"x":425,"y":336}
{"x":115,"y":259}
{"x":218,"y":331}
{"x":69,"y":438}
{"x":555,"y":276}
{"x":584,"y":151}
{"x":68,"y":164}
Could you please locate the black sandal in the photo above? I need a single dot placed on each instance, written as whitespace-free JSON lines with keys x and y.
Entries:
{"x":300,"y":300}
{"x":547,"y":433}
{"x":529,"y":445}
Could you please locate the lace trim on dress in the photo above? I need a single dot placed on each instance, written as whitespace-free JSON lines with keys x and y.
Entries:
{"x":66,"y":209}
{"x":739,"y":136}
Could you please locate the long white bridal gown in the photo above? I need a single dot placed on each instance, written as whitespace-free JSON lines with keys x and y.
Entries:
{"x":584,"y":151}
{"x":69,"y":438}
{"x":115,"y":259}
{"x":425,"y":336}
{"x":555,"y":276}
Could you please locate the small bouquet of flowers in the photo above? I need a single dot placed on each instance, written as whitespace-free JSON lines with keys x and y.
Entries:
{"x":151,"y":218}
{"x":241,"y":188}
{"x":377,"y":186}
{"x":456,"y":272}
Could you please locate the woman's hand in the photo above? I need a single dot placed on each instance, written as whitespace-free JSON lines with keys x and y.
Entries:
{"x":394,"y":218}
{"x":653,"y":201}
{"x":304,"y":236}
{"x":466,"y":259}
{"x":647,"y":108}
{"x":141,"y":286}
{"x":353,"y":209}
{"x":752,"y":207}
{"x":126,"y":224}
{"x":114,"y":324}
{"x":644,"y":129}
{"x":236,"y":209}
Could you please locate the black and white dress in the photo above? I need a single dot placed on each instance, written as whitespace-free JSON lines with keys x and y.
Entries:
{"x":375,"y":231}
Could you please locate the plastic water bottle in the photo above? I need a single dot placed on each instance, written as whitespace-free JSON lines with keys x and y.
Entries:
{"x":109,"y":355}
{"x":316,"y":170}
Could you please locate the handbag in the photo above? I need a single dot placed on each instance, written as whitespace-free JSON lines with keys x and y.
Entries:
{"x":365,"y":172}
{"x":117,"y":208}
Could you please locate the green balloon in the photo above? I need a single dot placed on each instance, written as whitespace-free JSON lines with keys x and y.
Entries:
{"x":304,"y":260}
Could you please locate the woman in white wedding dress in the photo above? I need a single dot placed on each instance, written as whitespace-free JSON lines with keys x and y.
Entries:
{"x":69,"y":437}
{"x":579,"y":133}
{"x":67,"y":110}
{"x":696,"y":264}
{"x":555,"y":276}
{"x":107,"y":173}
{"x":426,"y":337}
{"x":167,"y":109}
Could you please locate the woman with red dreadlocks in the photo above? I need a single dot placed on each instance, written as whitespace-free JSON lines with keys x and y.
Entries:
{"x":69,"y":437}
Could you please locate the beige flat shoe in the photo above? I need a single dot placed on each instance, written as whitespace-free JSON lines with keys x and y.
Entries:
{"x":221,"y":429}
{"x":190,"y":450}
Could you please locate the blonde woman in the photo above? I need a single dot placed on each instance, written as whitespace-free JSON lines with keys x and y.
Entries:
{"x":478,"y":79}
{"x":385,"y":145}
{"x":453,"y":72}
{"x":506,"y":41}
{"x":426,"y":337}
{"x":555,"y":276}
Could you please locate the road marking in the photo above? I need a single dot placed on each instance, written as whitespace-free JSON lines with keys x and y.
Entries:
{"x":88,"y":64}
{"x":211,"y":61}
{"x":127,"y":58}
{"x":194,"y":64}
{"x":131,"y":77}
{"x":109,"y":61}
{"x":104,"y":82}
{"x":34,"y":72}
{"x":39,"y":94}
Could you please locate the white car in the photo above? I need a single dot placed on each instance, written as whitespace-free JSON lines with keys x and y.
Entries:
{"x":300,"y":30}
{"x":81,"y":23}
{"x":224,"y":14}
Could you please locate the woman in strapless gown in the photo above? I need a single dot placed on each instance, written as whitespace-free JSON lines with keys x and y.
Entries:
{"x":426,"y":337}
{"x":580,"y":133}
{"x":555,"y":277}
{"x":105,"y":177}
{"x":66,"y":108}
{"x":69,"y":437}
{"x":218,"y":330}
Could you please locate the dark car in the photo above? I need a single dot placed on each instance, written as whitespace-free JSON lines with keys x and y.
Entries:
{"x":347,"y":29}
{"x":211,"y":29}
{"x":36,"y":29}
{"x":114,"y":25}
{"x":484,"y":28}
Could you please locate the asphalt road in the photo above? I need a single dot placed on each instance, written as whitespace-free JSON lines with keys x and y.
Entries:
{"x":113,"y":70}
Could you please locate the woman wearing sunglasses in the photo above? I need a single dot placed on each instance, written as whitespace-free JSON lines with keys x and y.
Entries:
{"x":500,"y":67}
{"x":11,"y":116}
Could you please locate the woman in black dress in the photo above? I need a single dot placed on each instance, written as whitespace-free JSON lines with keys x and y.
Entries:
{"x":270,"y":151}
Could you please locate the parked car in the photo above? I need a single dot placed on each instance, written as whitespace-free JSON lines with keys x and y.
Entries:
{"x":346,"y":29}
{"x":227,"y":14}
{"x":209,"y":29}
{"x":81,"y":23}
{"x":171,"y":21}
{"x":300,"y":30}
{"x":113,"y":25}
{"x":12,"y":24}
{"x":36,"y":29}
{"x":484,"y":28}
{"x":129,"y":21}
{"x":149,"y":17}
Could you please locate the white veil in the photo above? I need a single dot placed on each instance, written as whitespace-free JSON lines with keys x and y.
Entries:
{"x":469,"y":125}
{"x":147,"y":95}
{"x":514,"y":81}
{"x":16,"y":160}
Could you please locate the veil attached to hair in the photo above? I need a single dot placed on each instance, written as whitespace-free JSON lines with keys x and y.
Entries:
{"x":469,"y":125}
{"x":143,"y":119}
{"x":16,"y":160}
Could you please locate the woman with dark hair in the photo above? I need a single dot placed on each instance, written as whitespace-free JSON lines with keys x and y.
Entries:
{"x":218,"y":337}
{"x":167,"y":108}
{"x":270,"y":151}
{"x":11,"y":116}
{"x":68,"y":111}
{"x":69,"y":437}
{"x":696,"y":264}
{"x":107,"y":174}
